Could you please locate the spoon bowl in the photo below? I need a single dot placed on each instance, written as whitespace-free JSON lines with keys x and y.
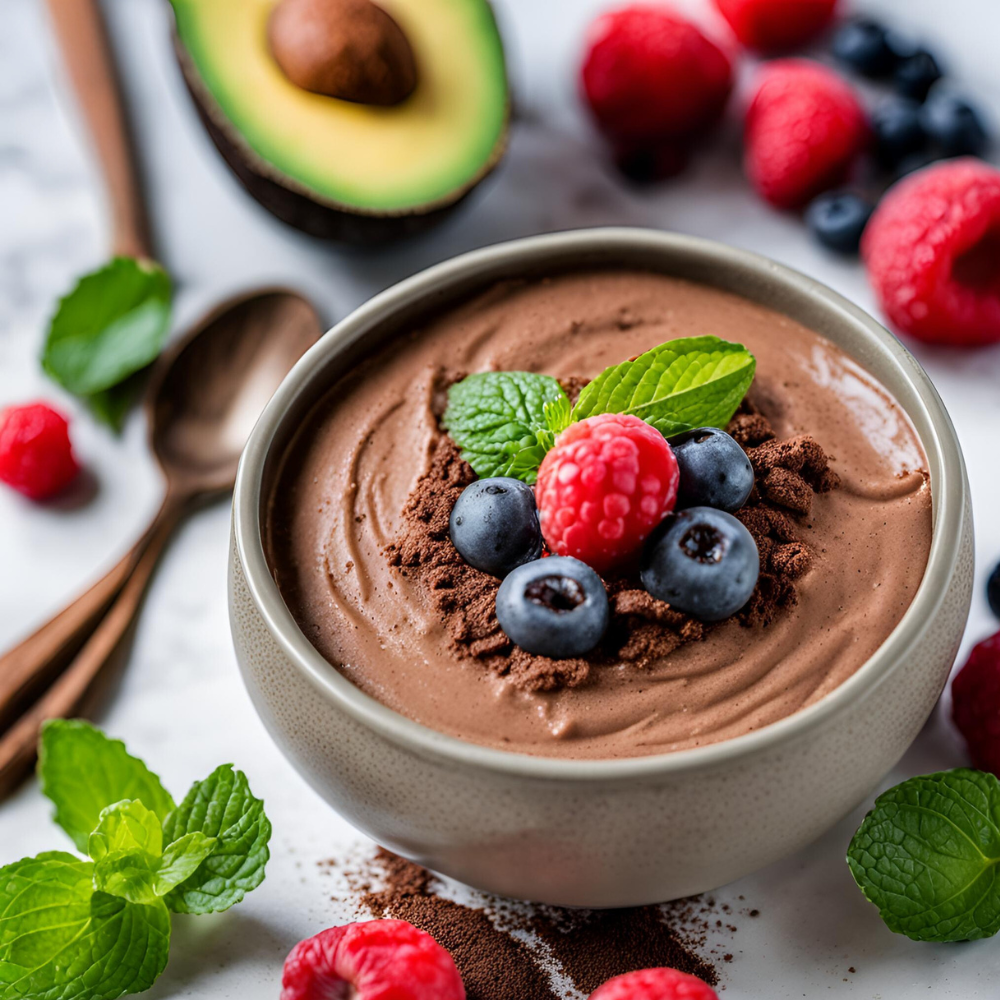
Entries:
{"x":208,"y":391}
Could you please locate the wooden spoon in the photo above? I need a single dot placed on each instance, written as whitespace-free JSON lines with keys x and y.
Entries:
{"x":203,"y":403}
{"x":203,"y":400}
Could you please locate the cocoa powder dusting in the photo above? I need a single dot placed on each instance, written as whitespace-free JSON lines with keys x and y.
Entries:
{"x":587,"y":946}
{"x":643,"y":630}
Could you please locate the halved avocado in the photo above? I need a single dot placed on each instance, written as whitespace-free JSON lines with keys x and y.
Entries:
{"x":342,"y":169}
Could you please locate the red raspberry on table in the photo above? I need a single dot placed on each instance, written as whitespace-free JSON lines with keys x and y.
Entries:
{"x":655,"y":984}
{"x":649,"y":75}
{"x":375,"y":960}
{"x":36,"y":457}
{"x":804,"y":129}
{"x":933,"y":254}
{"x":975,"y":693}
{"x":775,"y":25}
{"x":604,"y":487}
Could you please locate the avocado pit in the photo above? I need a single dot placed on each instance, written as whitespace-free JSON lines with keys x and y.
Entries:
{"x":349,"y":49}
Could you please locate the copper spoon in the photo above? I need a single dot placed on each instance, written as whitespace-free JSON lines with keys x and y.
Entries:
{"x":203,"y":400}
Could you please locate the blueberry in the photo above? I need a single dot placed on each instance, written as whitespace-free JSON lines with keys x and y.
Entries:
{"x":916,"y":74}
{"x":898,"y":132}
{"x":554,"y":607}
{"x":715,"y":470}
{"x":494,"y":525}
{"x":863,"y":45}
{"x":701,"y":561}
{"x":837,"y":219}
{"x":954,"y":124}
{"x":993,"y":591}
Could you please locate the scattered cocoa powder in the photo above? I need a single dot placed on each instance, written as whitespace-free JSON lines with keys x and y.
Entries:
{"x":488,"y":942}
{"x":643,"y":630}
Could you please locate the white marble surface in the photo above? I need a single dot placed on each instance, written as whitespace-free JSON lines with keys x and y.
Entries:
{"x":180,"y":703}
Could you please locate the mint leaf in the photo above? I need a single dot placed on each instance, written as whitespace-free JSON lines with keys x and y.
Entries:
{"x":223,"y":807}
{"x":492,"y":416}
{"x":83,"y":772}
{"x":680,"y":385}
{"x":124,"y":826}
{"x":141,"y":877}
{"x":111,"y":325}
{"x":927,"y":856}
{"x":59,"y":940}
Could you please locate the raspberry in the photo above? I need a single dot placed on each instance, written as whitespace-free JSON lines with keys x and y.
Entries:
{"x":933,"y":254}
{"x":604,"y":487}
{"x":650,"y":75}
{"x":655,"y":984}
{"x":376,"y":960}
{"x":804,"y":129}
{"x":36,"y":457}
{"x":774,"y":25}
{"x":975,"y":693}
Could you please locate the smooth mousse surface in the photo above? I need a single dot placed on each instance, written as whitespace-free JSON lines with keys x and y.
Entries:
{"x":340,"y":497}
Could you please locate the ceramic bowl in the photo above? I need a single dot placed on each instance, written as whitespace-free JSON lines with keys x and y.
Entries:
{"x":613,"y":832}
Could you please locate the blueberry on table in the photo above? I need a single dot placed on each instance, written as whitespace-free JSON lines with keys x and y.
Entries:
{"x":993,"y":591}
{"x":863,"y":45}
{"x":554,"y":607}
{"x":715,"y":470}
{"x":897,"y":130}
{"x":916,"y":74}
{"x":494,"y":525}
{"x":954,"y":124}
{"x":702,"y":561}
{"x":837,"y":219}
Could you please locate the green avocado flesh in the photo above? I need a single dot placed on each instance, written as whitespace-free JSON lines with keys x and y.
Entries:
{"x":424,"y":152}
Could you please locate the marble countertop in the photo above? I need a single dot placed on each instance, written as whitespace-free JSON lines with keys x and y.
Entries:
{"x":180,"y":703}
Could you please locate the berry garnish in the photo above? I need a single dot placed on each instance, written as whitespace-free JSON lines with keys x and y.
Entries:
{"x":655,"y":984}
{"x":993,"y":590}
{"x":375,"y":960}
{"x":648,"y":164}
{"x":863,"y":45}
{"x":897,"y":130}
{"x":494,"y":525}
{"x":776,"y":25}
{"x":954,"y":125}
{"x":701,"y":561}
{"x":603,"y":488}
{"x":933,"y":254}
{"x":975,"y":694}
{"x":837,"y":219}
{"x":36,"y":457}
{"x":916,"y":74}
{"x":554,"y":607}
{"x":714,"y":470}
{"x":804,"y":129}
{"x":649,"y":74}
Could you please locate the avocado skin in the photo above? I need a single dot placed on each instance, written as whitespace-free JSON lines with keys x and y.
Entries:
{"x":304,"y":213}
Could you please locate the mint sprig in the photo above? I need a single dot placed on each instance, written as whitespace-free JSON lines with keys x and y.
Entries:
{"x":506,"y":422}
{"x":676,"y":387}
{"x":928,"y":856}
{"x":112,"y":324}
{"x":495,"y":416}
{"x":96,"y":929}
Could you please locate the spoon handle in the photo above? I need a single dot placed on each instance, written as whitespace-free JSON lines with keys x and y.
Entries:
{"x":36,"y":661}
{"x":87,"y":53}
{"x":75,"y":687}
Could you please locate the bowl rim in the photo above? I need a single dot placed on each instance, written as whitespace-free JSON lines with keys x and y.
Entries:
{"x":941,"y":443}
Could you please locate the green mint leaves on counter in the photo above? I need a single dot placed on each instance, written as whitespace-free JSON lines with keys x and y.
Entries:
{"x":928,"y":854}
{"x":110,"y":326}
{"x":96,"y":929}
{"x":505,"y":422}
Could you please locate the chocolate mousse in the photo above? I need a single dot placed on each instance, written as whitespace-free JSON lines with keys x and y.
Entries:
{"x":840,"y":511}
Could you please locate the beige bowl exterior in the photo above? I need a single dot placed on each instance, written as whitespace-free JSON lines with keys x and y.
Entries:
{"x":615,"y":832}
